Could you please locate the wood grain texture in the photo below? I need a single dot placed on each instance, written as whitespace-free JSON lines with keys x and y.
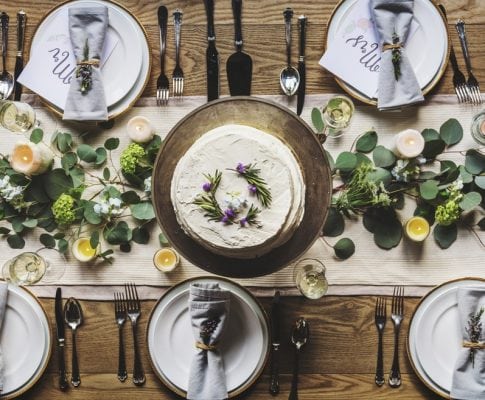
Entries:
{"x":338,"y":363}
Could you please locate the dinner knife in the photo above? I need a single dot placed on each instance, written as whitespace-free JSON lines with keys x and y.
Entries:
{"x":60,"y":339}
{"x":19,"y":60}
{"x":302,"y":21}
{"x":212,"y":56}
{"x":274,"y":385}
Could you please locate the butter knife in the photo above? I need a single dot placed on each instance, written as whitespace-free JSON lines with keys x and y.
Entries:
{"x":212,"y":56}
{"x":60,"y":339}
{"x":274,"y":385}
{"x":19,"y":60}
{"x":302,"y":21}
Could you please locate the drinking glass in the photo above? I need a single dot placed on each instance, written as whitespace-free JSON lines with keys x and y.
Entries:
{"x":16,"y":116}
{"x":478,"y":127}
{"x":337,"y":114}
{"x":309,"y":276}
{"x":30,"y":267}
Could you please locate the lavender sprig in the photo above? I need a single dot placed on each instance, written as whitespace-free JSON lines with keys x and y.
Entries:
{"x":474,"y":331}
{"x":396,"y":57}
{"x":207,"y":201}
{"x":85,"y":71}
{"x":257,"y":184}
{"x":251,"y":216}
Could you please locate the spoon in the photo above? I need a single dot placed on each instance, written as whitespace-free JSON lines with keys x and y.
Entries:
{"x":289,"y":76}
{"x":74,"y":318}
{"x":299,"y":337}
{"x":6,"y":78}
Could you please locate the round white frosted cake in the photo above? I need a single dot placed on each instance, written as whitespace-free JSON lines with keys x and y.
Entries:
{"x":238,"y":191}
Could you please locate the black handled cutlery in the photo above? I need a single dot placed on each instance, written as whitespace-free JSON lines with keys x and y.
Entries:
{"x":274,"y":385}
{"x":61,"y":339}
{"x":302,"y":21}
{"x":19,"y":59}
{"x":212,"y":56}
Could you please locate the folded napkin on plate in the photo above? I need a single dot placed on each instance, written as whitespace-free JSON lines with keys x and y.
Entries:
{"x":469,"y":375}
{"x":392,"y":19}
{"x":3,"y":304}
{"x":208,"y":307}
{"x":87,"y":29}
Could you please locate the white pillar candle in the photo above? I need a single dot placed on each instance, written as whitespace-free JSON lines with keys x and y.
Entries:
{"x":140,"y":129}
{"x":409,"y":143}
{"x":30,"y":158}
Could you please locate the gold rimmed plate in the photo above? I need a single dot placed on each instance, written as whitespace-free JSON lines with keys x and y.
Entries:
{"x":272,"y":119}
{"x":244,"y":344}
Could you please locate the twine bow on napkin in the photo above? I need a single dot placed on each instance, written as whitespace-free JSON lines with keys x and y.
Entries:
{"x":397,"y":83}
{"x":86,"y":100}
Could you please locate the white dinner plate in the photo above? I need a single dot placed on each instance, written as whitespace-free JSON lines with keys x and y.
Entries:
{"x":435,"y":337}
{"x":427,"y":49}
{"x":244,"y":344}
{"x":25,"y":341}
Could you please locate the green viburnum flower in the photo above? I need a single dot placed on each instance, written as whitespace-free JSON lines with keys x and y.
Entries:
{"x":131,"y":157}
{"x":447,"y":213}
{"x":63,"y":210}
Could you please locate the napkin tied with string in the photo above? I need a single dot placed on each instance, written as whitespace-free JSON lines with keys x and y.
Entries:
{"x":208,"y":308}
{"x":469,"y":375}
{"x":87,"y":29}
{"x":392,"y":20}
{"x":3,"y":305}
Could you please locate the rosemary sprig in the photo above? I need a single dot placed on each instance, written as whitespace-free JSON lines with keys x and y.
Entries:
{"x":396,"y":57}
{"x":85,"y":70}
{"x":257,"y":184}
{"x":208,"y":201}
{"x":251,"y":216}
{"x":474,"y":330}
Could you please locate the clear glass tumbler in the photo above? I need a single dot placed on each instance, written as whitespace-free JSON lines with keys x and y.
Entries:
{"x":309,"y":277}
{"x":16,"y":116}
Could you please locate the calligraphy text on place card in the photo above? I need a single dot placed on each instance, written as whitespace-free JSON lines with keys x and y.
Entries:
{"x":371,"y":57}
{"x":62,"y":67}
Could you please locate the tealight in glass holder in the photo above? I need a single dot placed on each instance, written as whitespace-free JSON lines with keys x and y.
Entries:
{"x":337,"y":114}
{"x":478,"y":128}
{"x":309,"y":277}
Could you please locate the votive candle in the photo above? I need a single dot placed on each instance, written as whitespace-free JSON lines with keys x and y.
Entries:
{"x":409,"y":143}
{"x":30,"y":158}
{"x":140,"y":129}
{"x":166,"y":259}
{"x":82,"y":250}
{"x":417,"y":229}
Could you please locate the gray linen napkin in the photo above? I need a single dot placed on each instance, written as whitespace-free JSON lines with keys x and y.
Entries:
{"x":87,"y":25}
{"x":3,"y":304}
{"x":394,"y":16}
{"x":208,"y":307}
{"x":469,"y":381}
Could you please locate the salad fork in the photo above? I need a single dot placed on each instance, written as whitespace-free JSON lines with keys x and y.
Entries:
{"x":472,"y":83}
{"x":162,"y":81}
{"x":178,"y":74}
{"x":396,"y":317}
{"x":120,"y":317}
{"x":380,"y":321}
{"x":133,"y":310}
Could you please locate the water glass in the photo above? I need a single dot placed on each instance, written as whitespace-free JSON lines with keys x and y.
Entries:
{"x":16,"y":116}
{"x":478,"y":128}
{"x":309,"y":277}
{"x":337,"y":114}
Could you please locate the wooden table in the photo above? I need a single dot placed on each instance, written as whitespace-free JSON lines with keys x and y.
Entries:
{"x":339,"y":362}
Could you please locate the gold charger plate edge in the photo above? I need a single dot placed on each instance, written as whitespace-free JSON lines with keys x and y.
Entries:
{"x":246,"y":385}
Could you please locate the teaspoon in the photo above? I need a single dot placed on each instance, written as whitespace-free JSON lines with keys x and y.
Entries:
{"x":6,"y":78}
{"x":74,"y":318}
{"x":289,"y":76}
{"x":299,"y":337}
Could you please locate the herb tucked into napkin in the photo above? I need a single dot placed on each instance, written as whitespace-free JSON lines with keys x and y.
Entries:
{"x":397,"y":83}
{"x":86,"y":100}
{"x":3,"y":304}
{"x":469,"y":371}
{"x":208,"y":307}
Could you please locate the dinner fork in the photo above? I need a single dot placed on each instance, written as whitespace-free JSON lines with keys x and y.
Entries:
{"x":380,"y":321}
{"x":178,"y":74}
{"x":133,"y":309}
{"x":472,"y":83}
{"x":162,"y":81}
{"x":459,"y":81}
{"x":120,"y":317}
{"x":396,"y":317}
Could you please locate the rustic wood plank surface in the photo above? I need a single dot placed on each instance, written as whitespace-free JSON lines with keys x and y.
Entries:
{"x":338,"y":363}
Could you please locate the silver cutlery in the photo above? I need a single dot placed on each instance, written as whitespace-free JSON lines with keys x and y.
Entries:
{"x":61,"y":339}
{"x":396,"y":317}
{"x":120,"y":317}
{"x":299,"y":337}
{"x":6,"y":78}
{"x":19,"y":59}
{"x":178,"y":74}
{"x":163,"y":92}
{"x":74,"y":318}
{"x":472,"y":83}
{"x":274,"y":385}
{"x":133,"y":310}
{"x":380,"y":321}
{"x":289,"y":76}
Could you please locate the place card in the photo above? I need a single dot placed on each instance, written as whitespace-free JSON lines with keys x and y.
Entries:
{"x":52,"y":63}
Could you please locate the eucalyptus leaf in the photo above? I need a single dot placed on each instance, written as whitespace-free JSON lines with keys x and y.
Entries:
{"x":62,"y":246}
{"x":334,"y":224}
{"x":142,"y":211}
{"x":445,"y":235}
{"x":94,"y":239}
{"x":59,"y":235}
{"x":163,"y":239}
{"x":36,"y":136}
{"x":56,"y":182}
{"x":68,"y":161}
{"x":474,"y":162}
{"x":429,"y":189}
{"x":367,"y":142}
{"x":383,"y":157}
{"x":430,"y":134}
{"x":130,"y":197}
{"x":101,"y":155}
{"x":317,"y":120}
{"x":480,"y":181}
{"x":64,"y":142}
{"x":425,"y":210}
{"x":447,"y":165}
{"x":362,"y":159}
{"x":106,"y":173}
{"x":4,"y":230}
{"x":344,"y":248}
{"x":388,"y":234}
{"x":125,"y":247}
{"x":481,"y":224}
{"x":118,"y":234}
{"x":470,"y":200}
{"x":451,"y":132}
{"x":18,"y":224}
{"x":346,"y":161}
{"x":78,"y":177}
{"x":30,"y":223}
{"x":379,"y":175}
{"x":465,"y":176}
{"x":433,"y":147}
{"x":90,"y":215}
{"x":427,"y":175}
{"x":112,"y":143}
{"x":16,"y":241}
{"x":47,"y":240}
{"x":86,"y":153}
{"x":36,"y":193}
{"x":141,"y":235}
{"x":331,"y":161}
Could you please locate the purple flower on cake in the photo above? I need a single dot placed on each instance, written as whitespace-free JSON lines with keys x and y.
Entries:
{"x":243,"y":221}
{"x":207,"y":187}
{"x":241,"y":168}
{"x":229,"y":213}
{"x":253,"y":189}
{"x":225,"y":219}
